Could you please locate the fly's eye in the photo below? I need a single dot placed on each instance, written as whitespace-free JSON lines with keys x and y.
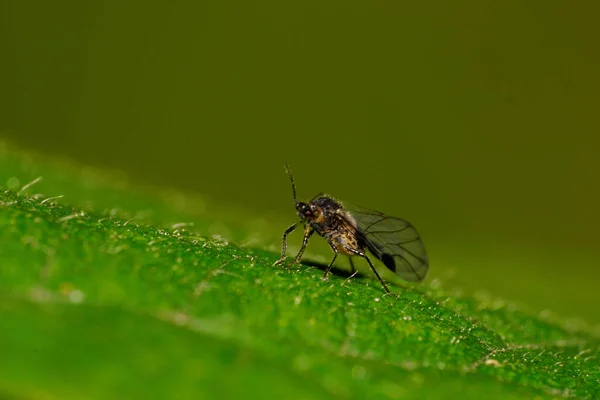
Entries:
{"x":305,"y":209}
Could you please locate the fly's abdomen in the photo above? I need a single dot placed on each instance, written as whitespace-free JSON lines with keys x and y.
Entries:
{"x":346,"y":243}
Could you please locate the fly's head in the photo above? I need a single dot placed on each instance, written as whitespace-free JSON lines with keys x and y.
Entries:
{"x":316,"y":211}
{"x":310,"y":212}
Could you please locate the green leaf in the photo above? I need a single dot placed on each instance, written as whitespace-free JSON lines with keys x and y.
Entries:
{"x":113,"y":291}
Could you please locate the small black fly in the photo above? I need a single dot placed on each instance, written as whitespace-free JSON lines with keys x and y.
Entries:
{"x":394,"y":241}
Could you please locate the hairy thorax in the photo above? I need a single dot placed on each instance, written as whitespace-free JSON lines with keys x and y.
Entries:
{"x":337,"y":225}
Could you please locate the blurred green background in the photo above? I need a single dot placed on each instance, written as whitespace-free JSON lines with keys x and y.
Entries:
{"x":476,"y":120}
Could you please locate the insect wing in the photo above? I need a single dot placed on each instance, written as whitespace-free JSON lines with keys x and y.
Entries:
{"x":395,"y":242}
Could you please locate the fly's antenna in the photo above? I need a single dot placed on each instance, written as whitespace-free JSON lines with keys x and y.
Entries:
{"x":289,"y":173}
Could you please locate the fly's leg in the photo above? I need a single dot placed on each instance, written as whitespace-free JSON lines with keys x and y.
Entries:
{"x":335,"y":254}
{"x":352,"y":268}
{"x":363,"y":255}
{"x":284,"y":244}
{"x":307,"y":234}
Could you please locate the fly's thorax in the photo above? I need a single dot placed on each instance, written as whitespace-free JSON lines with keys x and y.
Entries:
{"x":319,"y":212}
{"x":332,"y":221}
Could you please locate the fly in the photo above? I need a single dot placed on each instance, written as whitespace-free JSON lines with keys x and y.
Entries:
{"x":394,"y":241}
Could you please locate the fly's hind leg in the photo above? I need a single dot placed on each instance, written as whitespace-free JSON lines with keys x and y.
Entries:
{"x":363,"y":255}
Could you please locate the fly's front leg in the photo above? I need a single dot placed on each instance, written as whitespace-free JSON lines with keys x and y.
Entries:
{"x":284,"y":244}
{"x":308,"y":231}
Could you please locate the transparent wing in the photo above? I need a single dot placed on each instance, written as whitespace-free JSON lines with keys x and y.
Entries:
{"x":395,"y":242}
